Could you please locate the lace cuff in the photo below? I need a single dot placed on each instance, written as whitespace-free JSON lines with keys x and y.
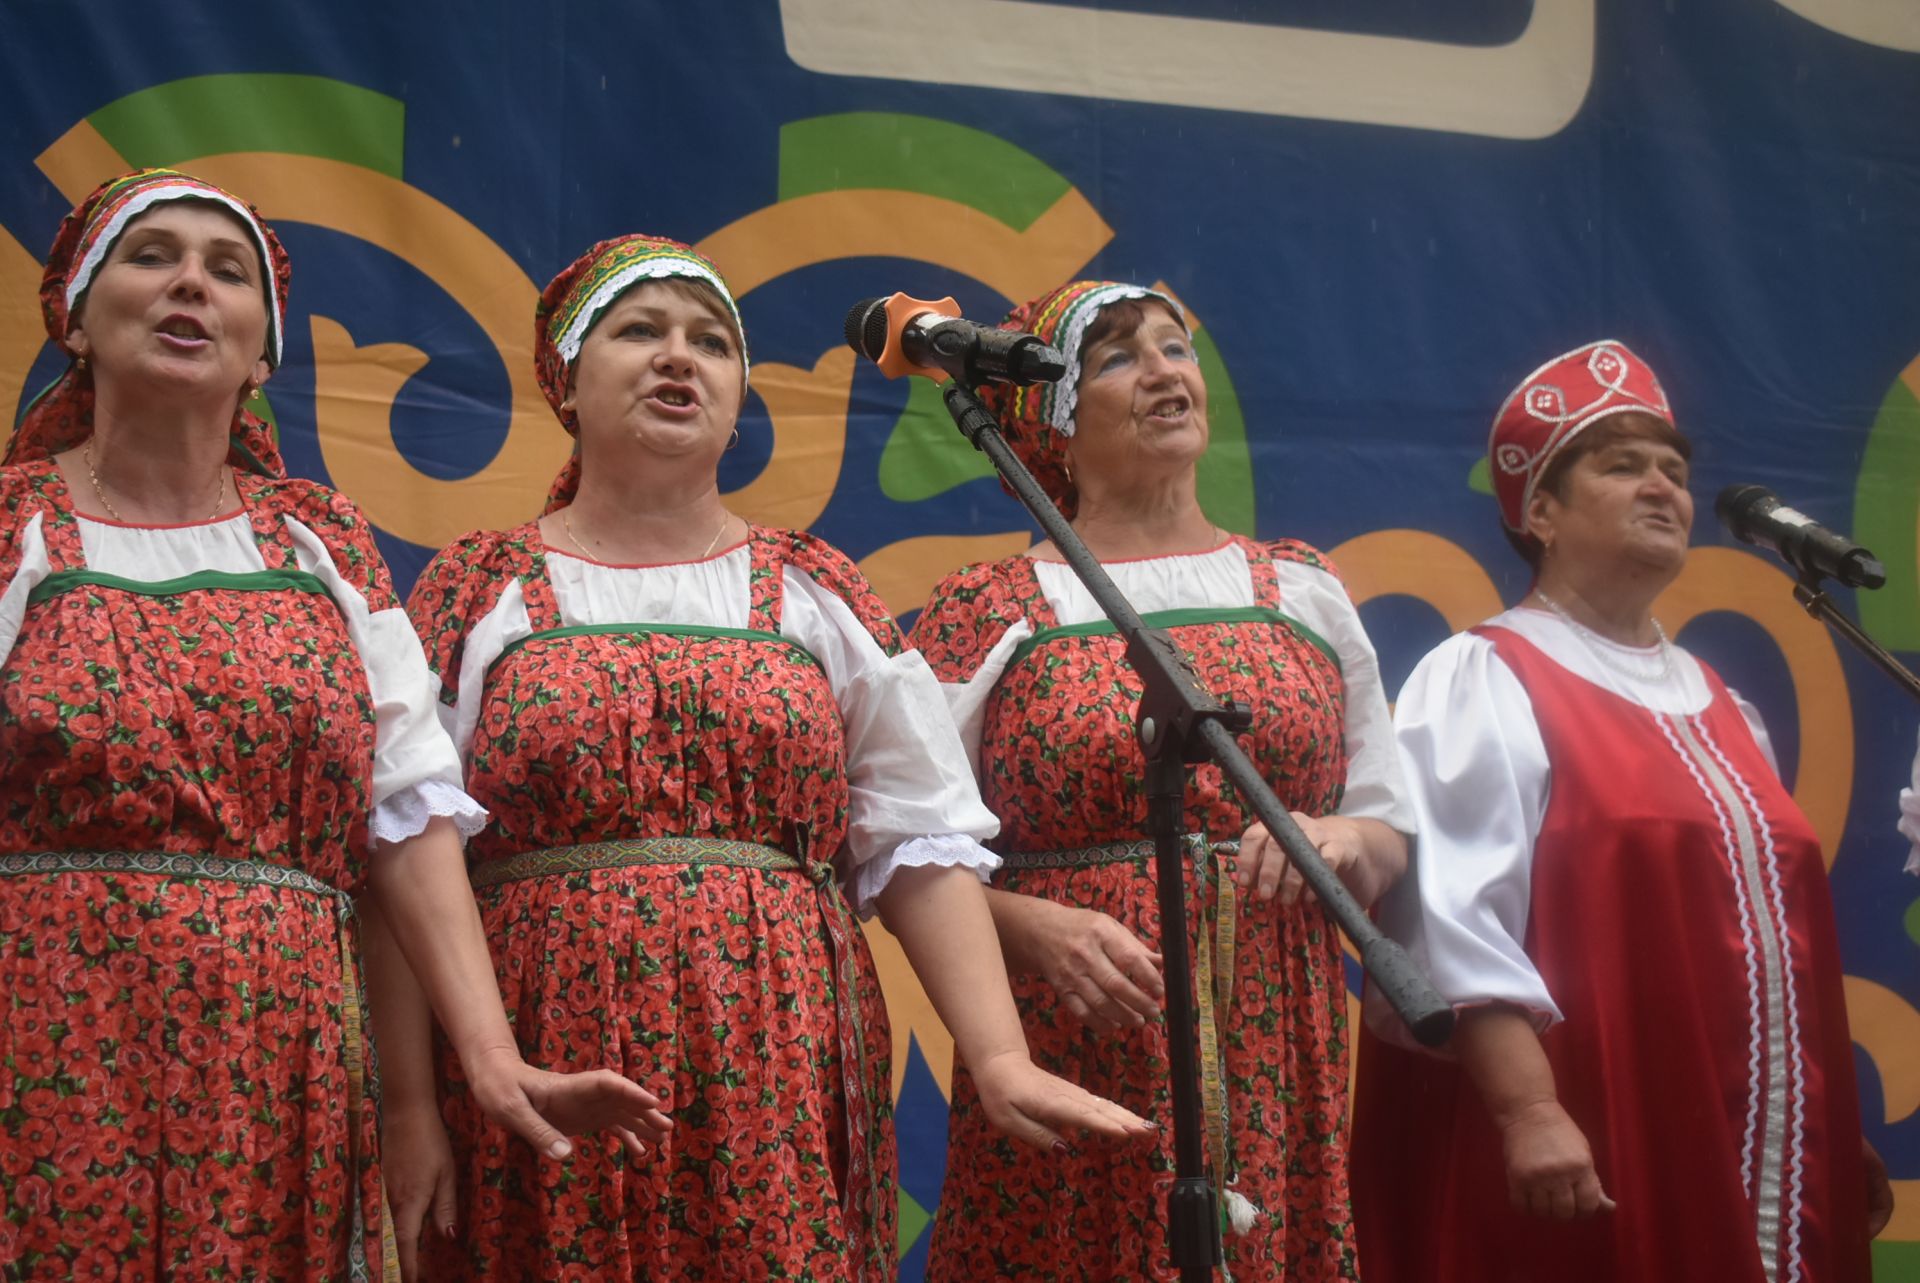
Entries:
{"x":871,"y":878}
{"x":406,"y":814}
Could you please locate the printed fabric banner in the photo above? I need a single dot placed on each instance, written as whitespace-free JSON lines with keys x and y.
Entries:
{"x":1380,"y":215}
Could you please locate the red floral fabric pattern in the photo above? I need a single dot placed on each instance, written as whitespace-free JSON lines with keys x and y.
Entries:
{"x":713,"y":985}
{"x":173,"y":1076}
{"x":1060,"y":767}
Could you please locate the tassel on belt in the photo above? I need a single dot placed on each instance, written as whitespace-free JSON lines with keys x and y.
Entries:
{"x":363,"y":1087}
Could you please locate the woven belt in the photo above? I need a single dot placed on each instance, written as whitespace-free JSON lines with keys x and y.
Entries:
{"x":363,"y":1089}
{"x":626,"y":852}
{"x":864,"y":1189}
{"x":1213,"y":967}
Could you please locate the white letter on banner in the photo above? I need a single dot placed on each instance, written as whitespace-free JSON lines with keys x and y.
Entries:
{"x":1891,"y":24}
{"x":1530,"y":87}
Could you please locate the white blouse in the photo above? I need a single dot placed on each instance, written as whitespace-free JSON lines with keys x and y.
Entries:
{"x":1223,"y":580}
{"x":416,"y":774}
{"x":1910,"y":817}
{"x":1478,"y":773}
{"x":911,"y":801}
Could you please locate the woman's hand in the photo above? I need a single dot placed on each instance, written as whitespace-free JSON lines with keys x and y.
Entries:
{"x":1030,"y":1104}
{"x":1263,"y":867}
{"x":1366,"y":855}
{"x":544,"y":1108}
{"x":1550,"y":1168}
{"x":416,"y":1164}
{"x":1104,"y":974}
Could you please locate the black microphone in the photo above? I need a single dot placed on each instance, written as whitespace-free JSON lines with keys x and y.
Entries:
{"x":1755,"y":515}
{"x":914,"y":336}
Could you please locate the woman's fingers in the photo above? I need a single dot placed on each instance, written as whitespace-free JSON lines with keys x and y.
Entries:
{"x":1124,"y":1001}
{"x":1074,"y":1111}
{"x":445,"y":1204}
{"x":408,"y":1214}
{"x":1104,"y":974}
{"x":1589,"y":1198}
{"x":1032,"y":1105}
{"x":1078,"y":1008}
{"x":520,"y":1117}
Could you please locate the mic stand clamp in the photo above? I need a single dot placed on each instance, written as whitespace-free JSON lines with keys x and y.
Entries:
{"x":1180,"y":724}
{"x":1809,"y":593}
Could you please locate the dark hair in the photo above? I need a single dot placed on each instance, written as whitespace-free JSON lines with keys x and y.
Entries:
{"x":1623,"y":426}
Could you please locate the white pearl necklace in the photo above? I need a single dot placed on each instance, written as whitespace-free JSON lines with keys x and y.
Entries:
{"x":1608,"y":655}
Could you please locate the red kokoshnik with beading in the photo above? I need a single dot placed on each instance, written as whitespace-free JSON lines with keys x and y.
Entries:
{"x":1553,"y":405}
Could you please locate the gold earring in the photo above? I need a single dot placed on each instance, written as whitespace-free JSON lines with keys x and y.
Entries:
{"x":80,"y":363}
{"x":249,"y":392}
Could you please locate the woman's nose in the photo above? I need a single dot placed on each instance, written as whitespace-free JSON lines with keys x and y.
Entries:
{"x":190,"y":277}
{"x":675,"y":351}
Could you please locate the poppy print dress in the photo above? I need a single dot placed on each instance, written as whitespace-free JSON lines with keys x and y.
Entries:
{"x":699,"y":772}
{"x":203,"y":729}
{"x":1041,"y":686}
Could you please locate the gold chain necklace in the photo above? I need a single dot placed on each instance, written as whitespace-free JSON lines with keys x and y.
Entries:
{"x":567,"y":523}
{"x":100,"y":492}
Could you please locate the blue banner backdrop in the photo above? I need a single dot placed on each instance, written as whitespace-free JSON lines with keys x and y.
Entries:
{"x":1382,"y":215}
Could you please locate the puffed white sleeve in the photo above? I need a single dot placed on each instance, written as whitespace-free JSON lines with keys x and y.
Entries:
{"x":912,"y":798}
{"x":1478,"y":776}
{"x":416,"y":772}
{"x":1910,"y":816}
{"x":967,"y":700}
{"x":1376,"y":786}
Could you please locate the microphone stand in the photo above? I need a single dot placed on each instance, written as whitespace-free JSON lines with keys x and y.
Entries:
{"x":1181,"y":724}
{"x":1809,"y":593}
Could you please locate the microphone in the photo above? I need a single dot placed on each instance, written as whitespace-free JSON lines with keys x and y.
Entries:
{"x":1755,"y":515}
{"x":905,"y":335}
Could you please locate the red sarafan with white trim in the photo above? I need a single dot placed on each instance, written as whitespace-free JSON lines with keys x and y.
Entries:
{"x":1680,"y":918}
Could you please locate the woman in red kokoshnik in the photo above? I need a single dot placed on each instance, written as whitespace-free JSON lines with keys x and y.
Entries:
{"x":1043,"y":691}
{"x":707,"y":749}
{"x":1652,"y":1078}
{"x":216,"y":731}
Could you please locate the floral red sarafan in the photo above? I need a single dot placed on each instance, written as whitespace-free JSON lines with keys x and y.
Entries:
{"x":1060,"y":766}
{"x":177,"y":1071}
{"x":715,"y":986}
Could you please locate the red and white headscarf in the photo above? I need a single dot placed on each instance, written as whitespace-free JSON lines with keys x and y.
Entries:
{"x":574,"y":300}
{"x":62,"y":416}
{"x":1037,"y":419}
{"x":1556,"y":403}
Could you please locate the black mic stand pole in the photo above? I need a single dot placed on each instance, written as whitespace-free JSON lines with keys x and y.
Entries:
{"x":1808,"y":592}
{"x":1181,"y":723}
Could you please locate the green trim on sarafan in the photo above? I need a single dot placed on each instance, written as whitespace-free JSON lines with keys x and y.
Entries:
{"x":628,"y":852}
{"x":643,"y":630}
{"x":167,"y":864}
{"x":1180,"y":618}
{"x":199,"y":581}
{"x":1089,"y":857}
